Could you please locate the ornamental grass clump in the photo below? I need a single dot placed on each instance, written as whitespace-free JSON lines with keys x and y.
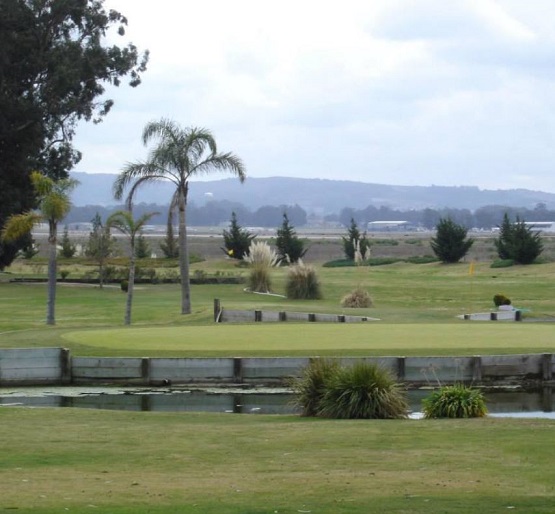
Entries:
{"x":310,"y":387}
{"x":362,"y":391}
{"x":261,"y":259}
{"x":455,"y":401}
{"x":357,"y":298}
{"x":302,"y":283}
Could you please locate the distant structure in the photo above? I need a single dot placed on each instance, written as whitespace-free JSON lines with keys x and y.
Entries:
{"x":541,"y":226}
{"x":389,"y":226}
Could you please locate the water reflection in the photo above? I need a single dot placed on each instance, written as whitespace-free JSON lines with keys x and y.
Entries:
{"x":518,"y":403}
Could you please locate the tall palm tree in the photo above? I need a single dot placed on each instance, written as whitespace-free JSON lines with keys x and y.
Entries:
{"x":179,"y":155}
{"x":53,"y":197}
{"x":124,"y":222}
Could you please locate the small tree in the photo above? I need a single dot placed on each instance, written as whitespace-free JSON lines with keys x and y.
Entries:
{"x":237,"y":240}
{"x":355,"y":240}
{"x":99,"y":246}
{"x":142,"y":248}
{"x":68,"y":249}
{"x":289,"y":247}
{"x":517,"y":242}
{"x":124,"y":222}
{"x":450,"y":243}
{"x":170,"y":244}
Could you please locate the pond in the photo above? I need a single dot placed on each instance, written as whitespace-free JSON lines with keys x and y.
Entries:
{"x":509,"y":403}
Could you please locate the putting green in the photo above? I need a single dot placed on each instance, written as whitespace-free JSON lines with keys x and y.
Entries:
{"x":311,"y":339}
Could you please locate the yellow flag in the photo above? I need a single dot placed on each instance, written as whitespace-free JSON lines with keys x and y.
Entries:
{"x":471,"y":269}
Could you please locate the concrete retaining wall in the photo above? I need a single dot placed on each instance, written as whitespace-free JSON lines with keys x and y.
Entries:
{"x":56,"y":366}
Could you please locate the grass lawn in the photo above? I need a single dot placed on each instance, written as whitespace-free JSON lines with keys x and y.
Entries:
{"x":56,"y":460}
{"x":417,"y":306}
{"x":73,"y":460}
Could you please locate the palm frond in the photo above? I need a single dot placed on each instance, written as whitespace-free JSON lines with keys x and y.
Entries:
{"x":20,"y":225}
{"x":221,"y":162}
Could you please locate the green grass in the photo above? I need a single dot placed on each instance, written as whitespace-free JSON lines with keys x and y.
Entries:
{"x":417,"y":306}
{"x":55,"y":460}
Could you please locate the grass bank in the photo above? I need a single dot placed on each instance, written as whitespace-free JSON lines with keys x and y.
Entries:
{"x":56,"y":460}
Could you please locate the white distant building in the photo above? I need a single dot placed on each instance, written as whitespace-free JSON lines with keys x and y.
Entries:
{"x":388,"y":226}
{"x":541,"y":226}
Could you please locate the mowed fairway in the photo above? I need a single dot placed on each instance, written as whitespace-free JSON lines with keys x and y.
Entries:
{"x":371,"y":338}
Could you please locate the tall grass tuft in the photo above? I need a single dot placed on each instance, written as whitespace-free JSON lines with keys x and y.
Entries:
{"x":310,"y":387}
{"x":455,"y":401}
{"x":261,"y":259}
{"x":302,"y":283}
{"x":363,"y":391}
{"x":357,"y":298}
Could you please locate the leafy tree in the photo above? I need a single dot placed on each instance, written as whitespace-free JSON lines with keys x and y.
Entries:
{"x":170,"y":244}
{"x":100,"y":246}
{"x":355,"y":241}
{"x":54,"y":203}
{"x":237,"y":240}
{"x":517,"y":242}
{"x":450,"y":243}
{"x":54,"y":66}
{"x":68,"y":249}
{"x":289,"y":247}
{"x":124,"y":222}
{"x":179,"y":155}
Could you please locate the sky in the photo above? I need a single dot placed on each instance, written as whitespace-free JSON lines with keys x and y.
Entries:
{"x":403,"y":92}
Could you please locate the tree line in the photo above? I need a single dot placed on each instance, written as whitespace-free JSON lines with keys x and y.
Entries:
{"x":218,"y":212}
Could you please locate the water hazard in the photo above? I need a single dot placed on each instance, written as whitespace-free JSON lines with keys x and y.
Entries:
{"x":510,"y":403}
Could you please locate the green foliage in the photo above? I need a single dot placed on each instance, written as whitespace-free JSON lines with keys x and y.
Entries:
{"x":354,"y":240}
{"x":100,"y":246}
{"x":289,"y":247}
{"x":516,"y":241}
{"x":357,"y":298}
{"x":170,"y":244}
{"x":29,"y":250}
{"x":302,"y":283}
{"x":142,"y":247}
{"x":68,"y":249}
{"x":363,"y":391}
{"x":64,"y":273}
{"x":501,"y":299}
{"x":502,"y":263}
{"x":450,"y":243}
{"x":237,"y":240}
{"x":310,"y":387}
{"x":124,"y":284}
{"x":455,"y":401}
{"x":55,"y":66}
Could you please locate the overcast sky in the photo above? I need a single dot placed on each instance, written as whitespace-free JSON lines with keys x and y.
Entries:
{"x":409,"y":92}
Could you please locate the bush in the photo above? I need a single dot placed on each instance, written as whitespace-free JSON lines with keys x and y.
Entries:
{"x":302,"y":283}
{"x":450,"y":243}
{"x":310,"y":388}
{"x":358,"y":298}
{"x":501,"y":299}
{"x":363,"y":391}
{"x":516,"y":241}
{"x":455,"y":401}
{"x":502,"y":263}
{"x":124,"y":284}
{"x":289,"y":247}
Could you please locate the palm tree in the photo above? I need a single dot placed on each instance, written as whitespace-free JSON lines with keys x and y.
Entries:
{"x":53,"y":197}
{"x":124,"y":222}
{"x":179,"y":155}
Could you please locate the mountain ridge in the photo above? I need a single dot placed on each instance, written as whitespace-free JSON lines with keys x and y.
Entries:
{"x":321,"y":196}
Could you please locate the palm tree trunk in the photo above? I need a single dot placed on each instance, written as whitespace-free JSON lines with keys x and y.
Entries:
{"x":52,"y":265}
{"x":184,"y":258}
{"x":130,"y":284}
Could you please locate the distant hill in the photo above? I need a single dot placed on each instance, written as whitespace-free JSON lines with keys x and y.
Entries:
{"x":315,"y":195}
